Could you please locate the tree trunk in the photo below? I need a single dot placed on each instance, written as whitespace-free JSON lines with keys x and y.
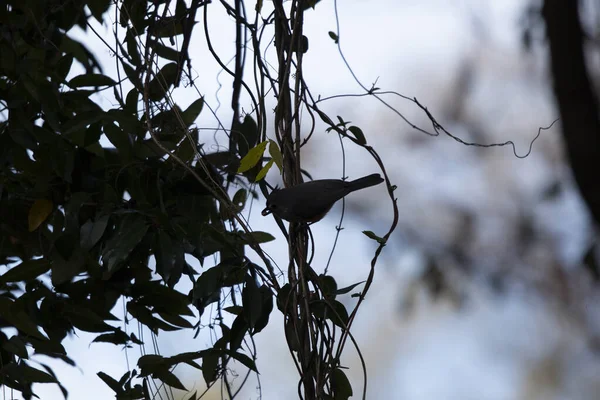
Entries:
{"x":575,"y":97}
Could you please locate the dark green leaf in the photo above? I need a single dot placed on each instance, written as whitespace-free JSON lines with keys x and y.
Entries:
{"x":143,"y":315}
{"x":188,"y":148}
{"x":131,"y":102}
{"x":164,"y":51}
{"x":63,"y":66}
{"x":334,"y":36}
{"x":19,"y":318}
{"x":16,"y":346}
{"x":338,"y":314}
{"x":85,"y":319}
{"x":26,"y":271}
{"x":167,"y":27}
{"x":340,"y":385}
{"x":111,"y":382}
{"x":75,"y":129}
{"x":98,"y":8}
{"x":210,"y":363}
{"x":162,"y":82}
{"x":118,"y":138}
{"x":66,"y":267}
{"x":35,"y":375}
{"x":349,"y":288}
{"x":91,"y":232}
{"x":117,"y":337}
{"x":239,"y":328}
{"x":246,"y":135}
{"x":91,"y":80}
{"x":266,"y":308}
{"x":126,"y":237}
{"x":165,"y":257}
{"x":256,"y":237}
{"x":133,"y":76}
{"x":235,"y":310}
{"x":328,"y":285}
{"x":245,"y":360}
{"x":177,"y":303}
{"x":151,"y":363}
{"x":191,"y":113}
{"x":169,"y":378}
{"x":252,"y":299}
{"x":132,"y":50}
{"x":176,"y":320}
{"x":283,"y":298}
{"x":358,"y":134}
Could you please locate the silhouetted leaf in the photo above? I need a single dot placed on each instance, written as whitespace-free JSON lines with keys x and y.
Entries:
{"x":244,"y":359}
{"x":169,"y":378}
{"x":266,"y":298}
{"x":162,"y":82}
{"x":340,"y":385}
{"x":117,"y":337}
{"x":334,"y":36}
{"x":238,"y":331}
{"x":16,"y":346}
{"x":152,"y":362}
{"x":19,"y":318}
{"x":257,"y":237}
{"x":358,"y":134}
{"x":349,"y":288}
{"x":245,"y":135}
{"x":85,"y":319}
{"x":98,"y":8}
{"x":192,"y":112}
{"x":235,"y":310}
{"x":210,"y":363}
{"x":91,"y":232}
{"x":328,"y":285}
{"x":111,"y":382}
{"x":35,"y":375}
{"x":164,"y":51}
{"x":91,"y":80}
{"x":126,"y":237}
{"x":338,"y":314}
{"x":119,"y":138}
{"x":26,"y":271}
{"x":132,"y":50}
{"x":63,"y":66}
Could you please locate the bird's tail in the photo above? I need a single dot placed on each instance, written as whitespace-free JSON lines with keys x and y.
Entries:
{"x":365,"y":182}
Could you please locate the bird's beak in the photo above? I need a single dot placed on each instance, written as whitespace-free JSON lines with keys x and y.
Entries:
{"x":266,"y":212}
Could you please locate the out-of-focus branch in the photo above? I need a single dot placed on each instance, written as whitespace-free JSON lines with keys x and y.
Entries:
{"x":575,"y":97}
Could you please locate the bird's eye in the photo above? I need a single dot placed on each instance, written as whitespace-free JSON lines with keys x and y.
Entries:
{"x":272,"y":206}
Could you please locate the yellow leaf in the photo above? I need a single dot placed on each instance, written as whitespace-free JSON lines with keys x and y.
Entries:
{"x":253,"y":157}
{"x":276,"y":154}
{"x":263,"y":171}
{"x":38,"y":213}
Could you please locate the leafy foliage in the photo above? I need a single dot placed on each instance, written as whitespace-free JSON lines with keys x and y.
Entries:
{"x":91,"y":216}
{"x":106,"y":204}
